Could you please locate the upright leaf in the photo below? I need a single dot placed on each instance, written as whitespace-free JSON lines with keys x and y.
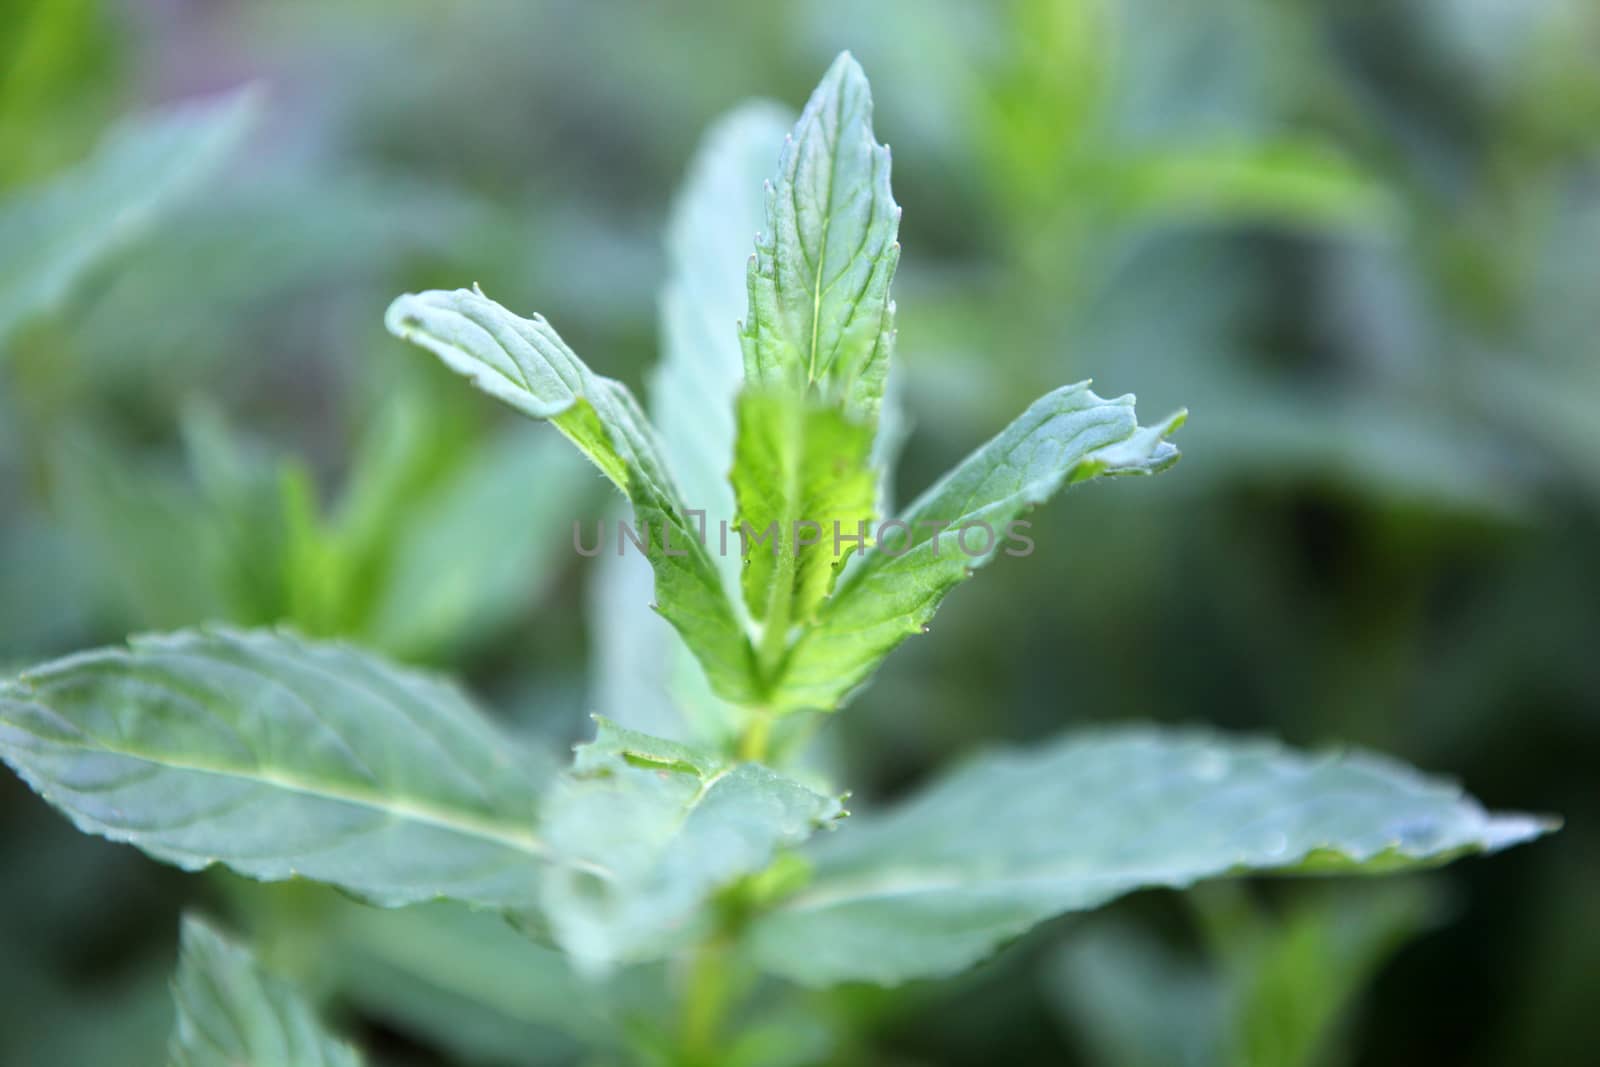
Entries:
{"x":1014,"y":838}
{"x":692,"y":388}
{"x":52,"y":234}
{"x":526,"y":364}
{"x":231,"y":1013}
{"x":640,"y":673}
{"x":668,"y":825}
{"x":281,"y":758}
{"x":820,"y":314}
{"x":817,"y":344}
{"x":1067,"y":436}
{"x":803,"y":485}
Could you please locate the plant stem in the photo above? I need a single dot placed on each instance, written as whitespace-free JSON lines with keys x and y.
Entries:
{"x":705,"y":1003}
{"x":757,"y":733}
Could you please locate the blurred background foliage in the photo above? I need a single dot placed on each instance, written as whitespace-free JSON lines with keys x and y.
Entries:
{"x":1361,"y":242}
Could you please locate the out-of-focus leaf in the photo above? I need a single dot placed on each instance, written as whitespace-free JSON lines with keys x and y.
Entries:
{"x":1012,"y":839}
{"x":231,"y":1013}
{"x":1270,"y":995}
{"x":649,"y":830}
{"x":1292,"y":980}
{"x":1285,"y":181}
{"x":51,"y":235}
{"x":478,"y":546}
{"x":642,"y":675}
{"x":524,"y":363}
{"x":1067,"y":436}
{"x":1132,"y":1002}
{"x":709,"y":238}
{"x":140,"y":531}
{"x":281,"y":758}
{"x":468,"y":982}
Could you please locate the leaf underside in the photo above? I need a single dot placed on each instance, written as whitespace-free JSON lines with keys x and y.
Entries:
{"x":1067,"y":436}
{"x":524,"y":363}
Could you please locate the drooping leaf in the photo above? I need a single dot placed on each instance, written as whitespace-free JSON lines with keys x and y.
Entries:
{"x":800,"y":475}
{"x":232,"y":1013}
{"x":1014,"y":838}
{"x":1067,"y":436}
{"x":820,"y":313}
{"x":52,"y":234}
{"x":282,"y":758}
{"x":670,"y":825}
{"x":524,"y":363}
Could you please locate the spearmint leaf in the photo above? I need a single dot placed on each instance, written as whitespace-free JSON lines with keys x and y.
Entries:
{"x":526,"y":364}
{"x":649,"y":829}
{"x":1067,"y":436}
{"x":641,"y":673}
{"x":53,"y":234}
{"x":232,"y":1013}
{"x":797,"y":463}
{"x":1014,"y":838}
{"x":692,"y":389}
{"x":820,"y":313}
{"x":280,"y":758}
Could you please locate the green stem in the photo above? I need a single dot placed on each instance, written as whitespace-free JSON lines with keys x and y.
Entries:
{"x":757,"y":735}
{"x":705,"y":1004}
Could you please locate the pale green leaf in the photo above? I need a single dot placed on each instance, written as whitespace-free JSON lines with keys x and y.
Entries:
{"x":54,"y":233}
{"x":473,"y":554}
{"x":641,"y":674}
{"x":800,"y":474}
{"x":693,"y":387}
{"x":1066,"y":436}
{"x":526,"y":364}
{"x":1014,"y":838}
{"x":232,"y":1013}
{"x":281,"y":758}
{"x":820,"y":313}
{"x":648,"y":830}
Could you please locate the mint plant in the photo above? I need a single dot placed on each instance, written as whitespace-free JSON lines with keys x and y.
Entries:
{"x":280,"y":757}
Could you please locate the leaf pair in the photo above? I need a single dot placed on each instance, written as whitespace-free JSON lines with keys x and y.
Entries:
{"x":803,"y":630}
{"x":283,"y":758}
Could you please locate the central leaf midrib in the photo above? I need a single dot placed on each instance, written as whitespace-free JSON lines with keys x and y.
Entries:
{"x":408,"y":809}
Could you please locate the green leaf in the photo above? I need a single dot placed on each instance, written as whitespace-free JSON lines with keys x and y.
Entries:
{"x":800,"y":474}
{"x":692,"y":389}
{"x":820,"y":313}
{"x":231,"y":1013}
{"x":669,"y":825}
{"x":640,"y":671}
{"x":526,"y":364}
{"x":471,"y":554}
{"x":281,"y":758}
{"x":1014,"y":838}
{"x":1067,"y":436}
{"x":53,"y":234}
